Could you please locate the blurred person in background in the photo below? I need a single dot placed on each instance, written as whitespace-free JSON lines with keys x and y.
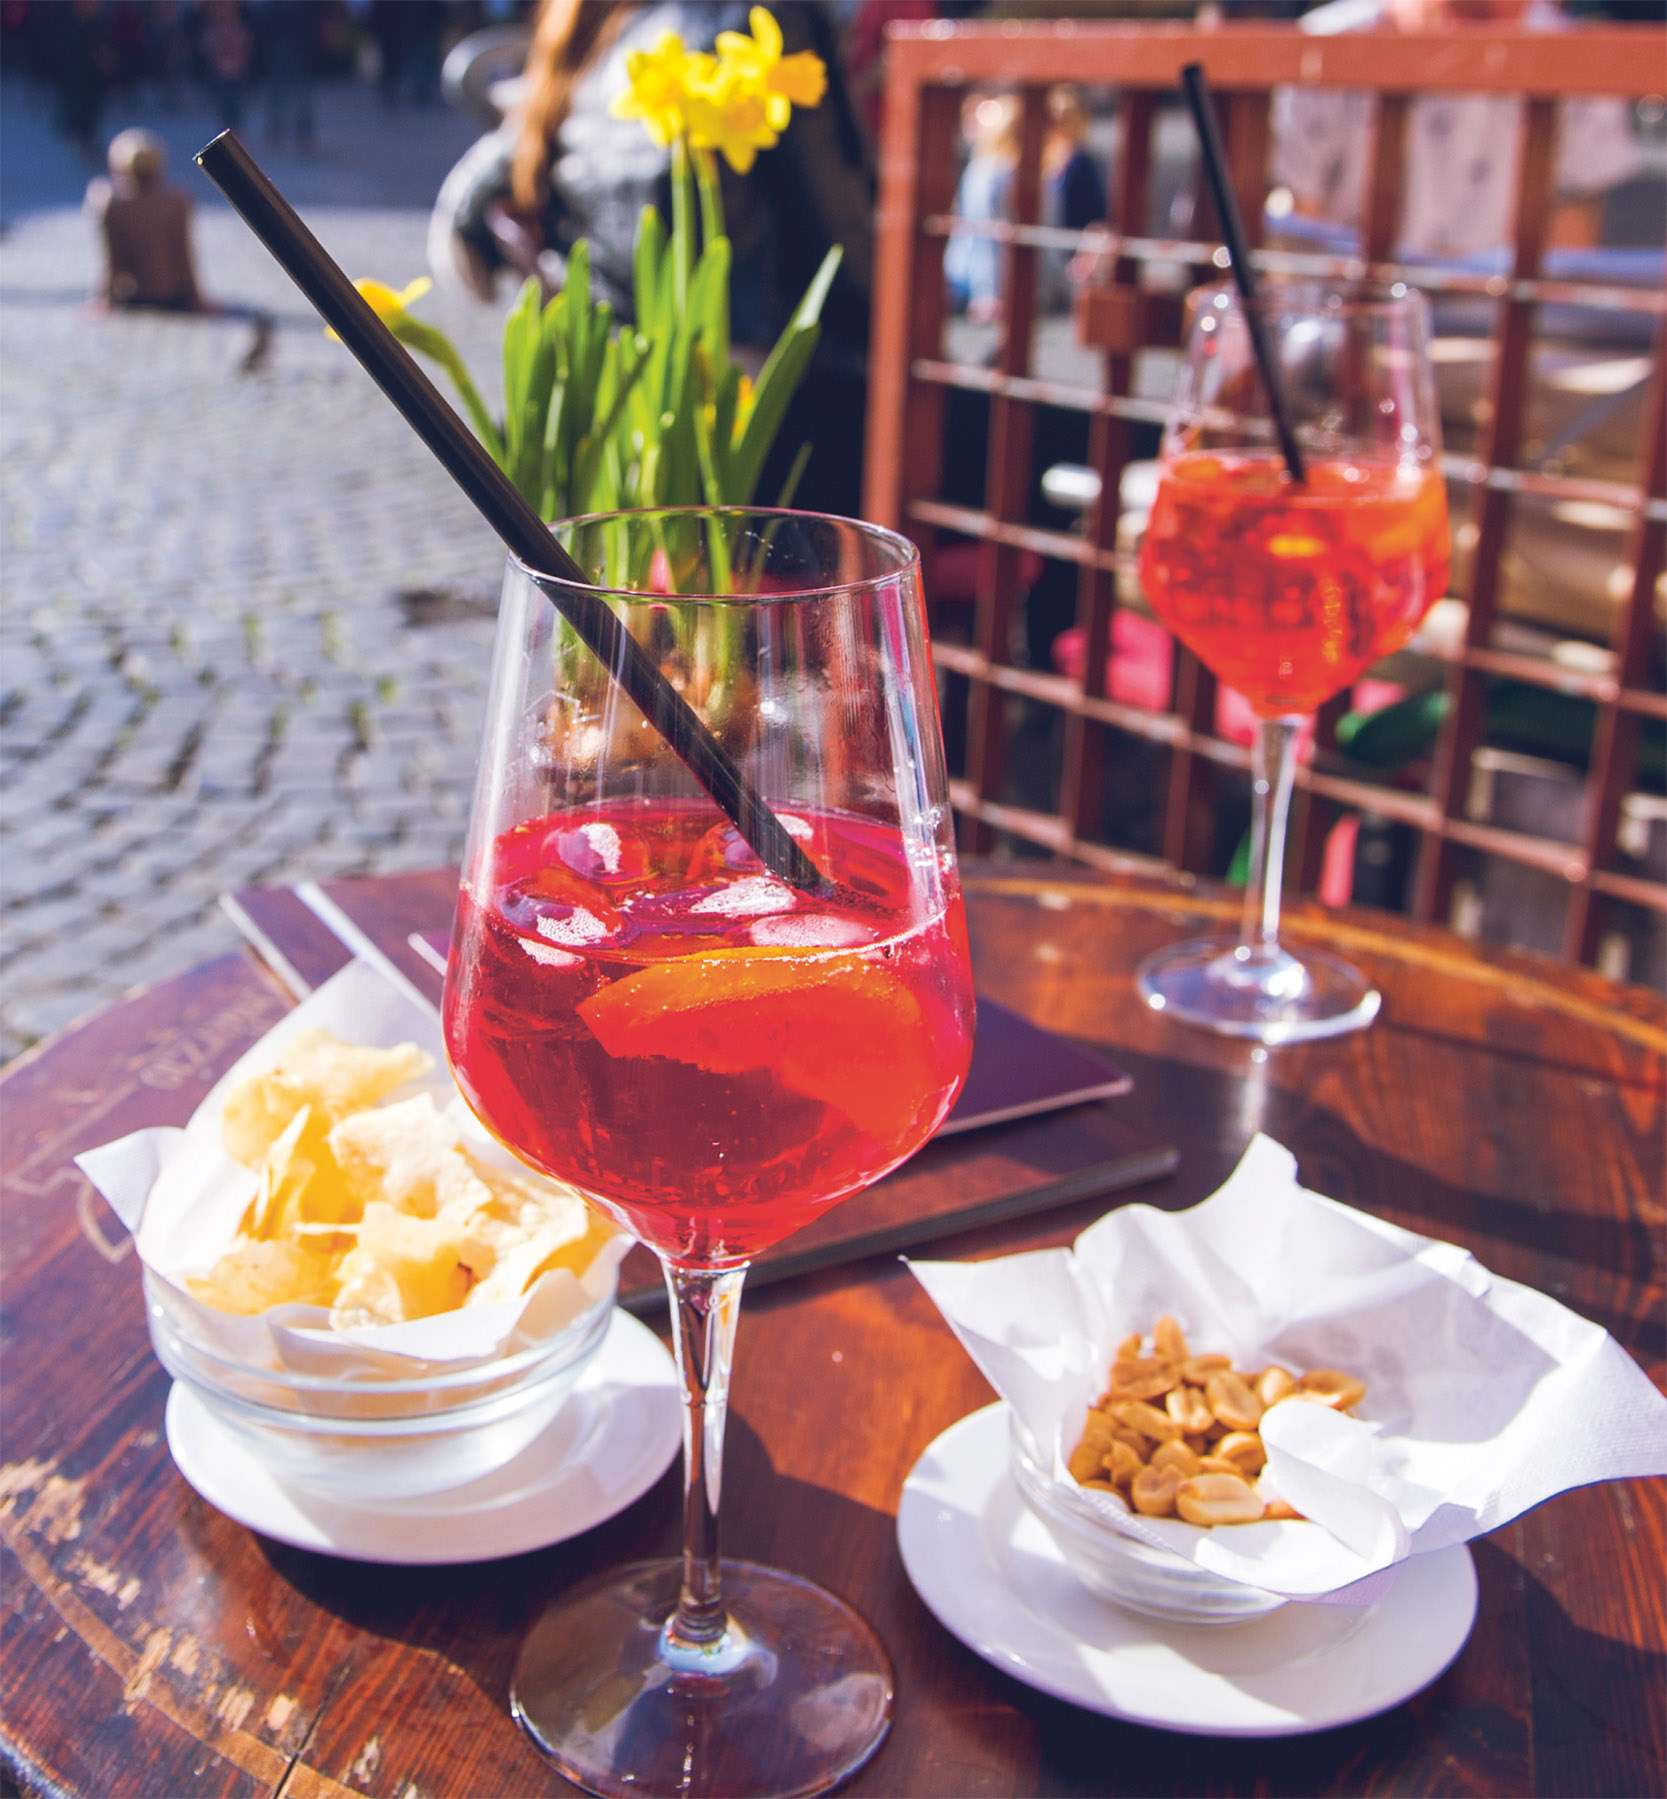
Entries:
{"x":1461,"y":148}
{"x":145,"y":228}
{"x":1073,"y":189}
{"x":1075,"y":192}
{"x":285,"y":34}
{"x":562,"y":167}
{"x":974,"y":264}
{"x":167,"y":51}
{"x":227,"y":49}
{"x":408,"y":34}
{"x":78,"y":60}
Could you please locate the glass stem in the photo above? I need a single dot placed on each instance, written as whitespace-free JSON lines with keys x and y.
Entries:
{"x":1273,"y":771}
{"x":707,"y":1306}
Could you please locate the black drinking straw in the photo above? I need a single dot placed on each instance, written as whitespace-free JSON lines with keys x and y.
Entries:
{"x":274,"y":221}
{"x":1197,"y":92}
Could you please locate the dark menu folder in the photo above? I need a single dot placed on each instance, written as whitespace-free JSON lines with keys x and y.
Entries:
{"x":1031,"y":1129}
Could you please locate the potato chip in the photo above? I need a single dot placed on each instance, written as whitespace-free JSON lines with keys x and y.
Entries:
{"x":253,"y":1276}
{"x":554,"y":1245}
{"x":420,"y":1253}
{"x":368,"y":1294}
{"x":379,"y":1212}
{"x":301,"y":1187}
{"x":316,"y":1070}
{"x":410,"y":1156}
{"x":515,"y":1211}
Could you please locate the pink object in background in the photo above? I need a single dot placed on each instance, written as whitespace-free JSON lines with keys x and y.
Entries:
{"x":1139,"y":671}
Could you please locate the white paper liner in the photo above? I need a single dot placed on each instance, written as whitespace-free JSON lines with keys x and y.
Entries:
{"x":182,"y":1198}
{"x":1483,"y":1397}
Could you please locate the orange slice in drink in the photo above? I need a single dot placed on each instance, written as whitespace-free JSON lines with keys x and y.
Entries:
{"x":831,"y":1027}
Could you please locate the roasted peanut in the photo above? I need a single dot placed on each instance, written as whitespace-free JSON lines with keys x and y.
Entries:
{"x":1099,"y":1430}
{"x":1173,"y":1423}
{"x":1141,"y":1380}
{"x":1122,"y":1463}
{"x":1233,"y":1402}
{"x":1086,"y":1462}
{"x":1218,"y":1499}
{"x":1188,"y":1407}
{"x":1175,"y":1455}
{"x":1147,"y":1419}
{"x":1243,"y":1448}
{"x":1274,"y":1384}
{"x":1153,"y":1491}
{"x":1333,"y":1387}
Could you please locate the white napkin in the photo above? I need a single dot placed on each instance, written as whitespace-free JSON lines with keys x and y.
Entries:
{"x":1482,"y":1397}
{"x":182,"y":1198}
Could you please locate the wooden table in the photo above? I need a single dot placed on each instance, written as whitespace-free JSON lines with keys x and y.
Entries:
{"x":154,"y":1647}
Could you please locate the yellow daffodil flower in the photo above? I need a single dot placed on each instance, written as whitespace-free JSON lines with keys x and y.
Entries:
{"x":785,"y":81}
{"x":386,"y":303}
{"x":730,"y":114}
{"x":661,"y":80}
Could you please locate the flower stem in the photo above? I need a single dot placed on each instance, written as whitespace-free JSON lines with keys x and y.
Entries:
{"x":682,"y":226}
{"x":711,"y":197}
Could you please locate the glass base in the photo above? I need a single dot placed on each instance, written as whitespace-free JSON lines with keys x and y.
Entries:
{"x":790,"y":1701}
{"x":1267,"y":996}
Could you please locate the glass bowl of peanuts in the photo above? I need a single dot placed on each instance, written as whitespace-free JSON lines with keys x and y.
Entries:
{"x":1173,"y":1439}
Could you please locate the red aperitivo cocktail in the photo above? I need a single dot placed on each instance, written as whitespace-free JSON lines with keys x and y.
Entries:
{"x":1290,"y":547}
{"x":718,"y":1005}
{"x":1291,"y":592}
{"x":747,"y":1054}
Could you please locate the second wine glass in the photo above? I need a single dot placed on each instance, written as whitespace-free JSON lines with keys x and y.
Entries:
{"x":1290,"y":589}
{"x":638,"y":1004}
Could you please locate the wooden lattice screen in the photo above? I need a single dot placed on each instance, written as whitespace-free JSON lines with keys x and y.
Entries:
{"x":930,"y":70}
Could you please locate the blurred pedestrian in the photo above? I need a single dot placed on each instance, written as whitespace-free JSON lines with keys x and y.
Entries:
{"x":227,"y":49}
{"x":1073,"y":190}
{"x":167,"y":52}
{"x":1461,"y":148}
{"x":145,"y":227}
{"x":564,"y":167}
{"x":974,"y":263}
{"x":80,"y":64}
{"x":408,"y":35}
{"x":285,"y":35}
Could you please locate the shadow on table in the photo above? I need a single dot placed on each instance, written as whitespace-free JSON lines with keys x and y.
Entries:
{"x":475,"y":1615}
{"x":1533,"y":1230}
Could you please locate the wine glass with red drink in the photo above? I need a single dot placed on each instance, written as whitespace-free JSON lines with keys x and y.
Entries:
{"x":714,"y":1049}
{"x":1290,"y":585}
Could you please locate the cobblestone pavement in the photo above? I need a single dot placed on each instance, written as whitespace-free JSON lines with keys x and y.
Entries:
{"x":246,"y":620}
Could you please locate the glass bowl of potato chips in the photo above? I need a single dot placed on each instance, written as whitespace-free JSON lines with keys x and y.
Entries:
{"x":404,"y":1431}
{"x":357,"y":1285}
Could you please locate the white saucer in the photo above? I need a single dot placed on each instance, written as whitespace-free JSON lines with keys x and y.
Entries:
{"x":615,"y":1436}
{"x":985,"y":1566}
